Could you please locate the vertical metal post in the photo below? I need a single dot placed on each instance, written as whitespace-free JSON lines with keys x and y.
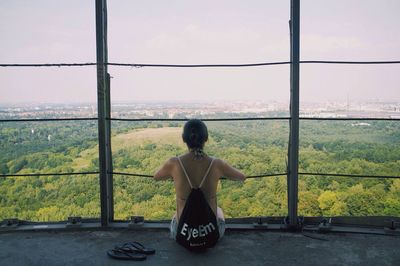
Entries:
{"x":110,"y":184}
{"x":294,"y":112}
{"x":103,"y":110}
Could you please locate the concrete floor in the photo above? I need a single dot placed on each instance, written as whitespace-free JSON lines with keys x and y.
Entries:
{"x":235,"y":249}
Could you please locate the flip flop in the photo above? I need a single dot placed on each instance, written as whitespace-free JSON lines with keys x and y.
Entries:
{"x":136,"y":247}
{"x":120,"y":254}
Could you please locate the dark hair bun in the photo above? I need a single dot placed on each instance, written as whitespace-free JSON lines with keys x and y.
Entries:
{"x":195,"y":133}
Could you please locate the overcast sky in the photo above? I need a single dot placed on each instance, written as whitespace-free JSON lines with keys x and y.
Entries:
{"x":199,"y":32}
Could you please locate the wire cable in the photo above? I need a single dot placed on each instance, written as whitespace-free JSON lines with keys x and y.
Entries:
{"x":200,"y":65}
{"x":351,"y":118}
{"x":50,"y":119}
{"x":49,"y":174}
{"x":139,"y":65}
{"x":202,"y":119}
{"x":349,"y":62}
{"x":130,"y":174}
{"x":49,"y":65}
{"x":133,"y":65}
{"x":348,"y":175}
{"x":146,"y":175}
{"x":251,"y":176}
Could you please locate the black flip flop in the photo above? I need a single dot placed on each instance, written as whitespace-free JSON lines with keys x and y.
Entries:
{"x":136,"y":247}
{"x":120,"y":254}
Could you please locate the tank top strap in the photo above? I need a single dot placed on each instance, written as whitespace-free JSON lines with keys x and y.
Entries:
{"x":184,"y":170}
{"x":206,"y":174}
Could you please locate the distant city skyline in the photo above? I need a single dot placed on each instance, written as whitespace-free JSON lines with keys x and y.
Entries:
{"x":198,"y":32}
{"x":179,"y":110}
{"x":195,"y":102}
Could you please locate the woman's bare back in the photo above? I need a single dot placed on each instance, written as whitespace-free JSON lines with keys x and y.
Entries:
{"x":196,"y":171}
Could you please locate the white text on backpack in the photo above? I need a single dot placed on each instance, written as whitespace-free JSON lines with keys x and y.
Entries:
{"x":201,"y":231}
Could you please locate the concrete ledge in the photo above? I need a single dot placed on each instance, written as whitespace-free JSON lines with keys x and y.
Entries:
{"x":237,"y":248}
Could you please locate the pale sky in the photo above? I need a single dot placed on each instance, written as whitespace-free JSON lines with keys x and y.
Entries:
{"x":200,"y":32}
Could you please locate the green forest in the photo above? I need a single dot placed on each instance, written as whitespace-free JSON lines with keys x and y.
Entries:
{"x":254,"y":147}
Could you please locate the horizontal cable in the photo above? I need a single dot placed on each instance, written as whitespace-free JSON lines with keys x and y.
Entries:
{"x":49,"y":119}
{"x":348,"y":62}
{"x":200,"y":65}
{"x":266,"y":175}
{"x":49,"y":65}
{"x":139,"y":65}
{"x":350,"y":118}
{"x":49,"y":174}
{"x":148,"y":65}
{"x":253,"y":176}
{"x":203,"y":119}
{"x":349,"y":175}
{"x":144,"y":175}
{"x":130,"y":174}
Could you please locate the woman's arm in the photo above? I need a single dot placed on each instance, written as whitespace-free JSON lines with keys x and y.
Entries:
{"x":231,"y":172}
{"x":165,"y":172}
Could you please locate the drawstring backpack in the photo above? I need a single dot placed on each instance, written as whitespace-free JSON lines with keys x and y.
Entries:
{"x":197,"y":227}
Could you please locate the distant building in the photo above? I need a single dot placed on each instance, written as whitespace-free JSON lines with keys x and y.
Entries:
{"x":361,"y":124}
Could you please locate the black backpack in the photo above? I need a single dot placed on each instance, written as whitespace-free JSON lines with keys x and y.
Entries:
{"x":197,"y":227}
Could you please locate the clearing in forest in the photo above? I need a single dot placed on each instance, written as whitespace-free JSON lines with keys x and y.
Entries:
{"x":164,"y":135}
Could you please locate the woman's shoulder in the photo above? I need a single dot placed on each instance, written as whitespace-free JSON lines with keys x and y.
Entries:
{"x":217,"y":163}
{"x":173,"y":160}
{"x":216,"y":160}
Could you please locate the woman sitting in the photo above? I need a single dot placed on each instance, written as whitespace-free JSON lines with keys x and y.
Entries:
{"x":195,"y":170}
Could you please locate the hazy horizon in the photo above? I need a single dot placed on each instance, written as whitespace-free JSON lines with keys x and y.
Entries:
{"x":191,"y":32}
{"x":198,"y":102}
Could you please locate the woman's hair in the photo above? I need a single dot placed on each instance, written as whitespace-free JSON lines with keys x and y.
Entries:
{"x":195,"y":134}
